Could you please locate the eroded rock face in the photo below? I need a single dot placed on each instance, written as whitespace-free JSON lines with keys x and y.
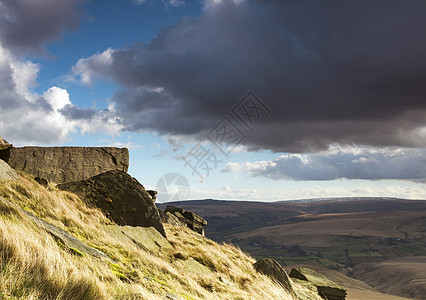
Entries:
{"x":66,"y":164}
{"x":121,"y":197}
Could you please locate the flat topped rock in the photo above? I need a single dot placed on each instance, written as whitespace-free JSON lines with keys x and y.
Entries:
{"x":121,"y":197}
{"x":66,"y":164}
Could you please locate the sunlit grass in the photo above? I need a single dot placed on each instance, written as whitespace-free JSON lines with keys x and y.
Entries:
{"x":33,"y":265}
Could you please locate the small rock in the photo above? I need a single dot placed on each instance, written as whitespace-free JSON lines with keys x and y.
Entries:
{"x":173,"y":209}
{"x":175,"y":215}
{"x":273,"y":269}
{"x":192,"y":216}
{"x":172,"y":296}
{"x":42,"y":181}
{"x":195,"y":226}
{"x":172,"y":219}
{"x":180,"y":255}
{"x":152,"y":194}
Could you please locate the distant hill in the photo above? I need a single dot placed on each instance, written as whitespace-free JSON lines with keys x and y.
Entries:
{"x":338,"y":199}
{"x":381,"y":241}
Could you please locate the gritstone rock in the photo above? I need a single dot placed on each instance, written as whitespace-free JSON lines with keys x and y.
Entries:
{"x":6,"y":172}
{"x":152,"y":194}
{"x":4,"y":144}
{"x":121,"y":197}
{"x":327,"y":289}
{"x":272,"y":268}
{"x":42,"y":181}
{"x":178,"y":216}
{"x":66,"y":164}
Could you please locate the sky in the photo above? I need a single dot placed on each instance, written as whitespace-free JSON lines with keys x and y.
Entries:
{"x":227,"y":99}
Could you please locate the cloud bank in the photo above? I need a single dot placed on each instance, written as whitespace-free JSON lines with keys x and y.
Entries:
{"x":340,"y":162}
{"x":346,"y":72}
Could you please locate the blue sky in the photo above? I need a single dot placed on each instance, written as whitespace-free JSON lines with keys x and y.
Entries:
{"x":270,"y":100}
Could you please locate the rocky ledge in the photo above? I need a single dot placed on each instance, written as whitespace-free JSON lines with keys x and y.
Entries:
{"x":65,"y":164}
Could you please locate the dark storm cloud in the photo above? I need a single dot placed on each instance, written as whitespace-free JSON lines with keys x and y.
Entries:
{"x":76,"y":113}
{"x":28,"y":25}
{"x":331,"y":71}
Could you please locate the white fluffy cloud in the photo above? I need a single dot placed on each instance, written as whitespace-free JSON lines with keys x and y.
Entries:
{"x":31,"y":118}
{"x":27,"y":117}
{"x":341,"y":162}
{"x":91,"y":68}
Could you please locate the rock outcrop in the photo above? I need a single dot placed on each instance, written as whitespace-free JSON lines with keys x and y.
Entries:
{"x":273,"y":269}
{"x":66,"y":164}
{"x":6,"y":172}
{"x":178,"y":216}
{"x":121,"y":197}
{"x":4,"y":145}
{"x":152,"y":194}
{"x":327,"y":289}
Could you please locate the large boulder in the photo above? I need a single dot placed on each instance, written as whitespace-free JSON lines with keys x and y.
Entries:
{"x":66,"y":164}
{"x":6,"y":172}
{"x":121,"y":197}
{"x":273,"y":269}
{"x":327,"y":289}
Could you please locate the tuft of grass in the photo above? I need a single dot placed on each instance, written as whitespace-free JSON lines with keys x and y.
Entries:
{"x":76,"y":252}
{"x":117,"y":271}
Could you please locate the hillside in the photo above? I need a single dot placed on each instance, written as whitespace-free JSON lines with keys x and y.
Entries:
{"x":379,"y":241}
{"x":36,"y":264}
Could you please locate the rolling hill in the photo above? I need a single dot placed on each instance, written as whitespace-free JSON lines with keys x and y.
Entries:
{"x":380,"y":241}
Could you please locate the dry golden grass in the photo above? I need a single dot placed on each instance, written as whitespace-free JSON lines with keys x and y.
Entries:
{"x":33,"y":265}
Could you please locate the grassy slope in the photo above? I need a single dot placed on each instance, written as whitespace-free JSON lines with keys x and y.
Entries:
{"x":33,"y":265}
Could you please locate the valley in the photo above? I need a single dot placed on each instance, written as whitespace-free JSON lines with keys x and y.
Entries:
{"x":379,"y":241}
